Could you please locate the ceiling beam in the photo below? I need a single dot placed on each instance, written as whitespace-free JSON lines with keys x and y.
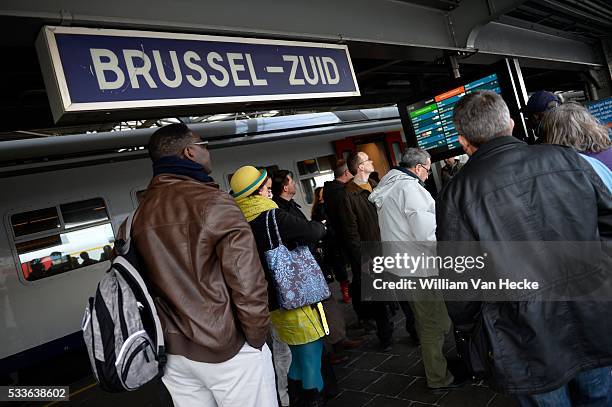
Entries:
{"x":471,"y":15}
{"x":340,"y":21}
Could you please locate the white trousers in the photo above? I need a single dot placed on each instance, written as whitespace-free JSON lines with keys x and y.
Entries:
{"x":246,"y":380}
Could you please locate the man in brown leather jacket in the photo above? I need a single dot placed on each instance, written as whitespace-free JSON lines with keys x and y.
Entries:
{"x":206,"y":276}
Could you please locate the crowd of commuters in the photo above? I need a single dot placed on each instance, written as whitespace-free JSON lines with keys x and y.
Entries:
{"x":215,"y":291}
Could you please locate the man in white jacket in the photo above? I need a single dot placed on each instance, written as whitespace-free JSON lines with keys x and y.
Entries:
{"x":407,"y":213}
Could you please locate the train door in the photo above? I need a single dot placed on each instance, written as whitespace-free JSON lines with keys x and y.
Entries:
{"x":384,"y":149}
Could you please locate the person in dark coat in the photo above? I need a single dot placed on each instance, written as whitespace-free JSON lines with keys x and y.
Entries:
{"x":359,"y":223}
{"x":333,"y":194}
{"x":335,"y":315}
{"x":321,"y":251}
{"x":283,"y":191}
{"x":510,"y":191}
{"x":450,"y":169}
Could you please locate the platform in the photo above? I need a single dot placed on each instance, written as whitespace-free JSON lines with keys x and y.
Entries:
{"x":369,"y":378}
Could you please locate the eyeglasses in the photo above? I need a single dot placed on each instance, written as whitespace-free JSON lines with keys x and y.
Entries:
{"x":364,"y":161}
{"x":428,"y":169}
{"x":200,"y":143}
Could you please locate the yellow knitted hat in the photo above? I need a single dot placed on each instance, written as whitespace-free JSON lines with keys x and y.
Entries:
{"x":246,"y":180}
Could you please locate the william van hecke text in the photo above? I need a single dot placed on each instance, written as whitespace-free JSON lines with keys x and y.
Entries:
{"x":447,"y":284}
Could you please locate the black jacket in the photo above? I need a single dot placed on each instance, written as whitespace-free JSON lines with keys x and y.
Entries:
{"x":358,"y":222}
{"x":293,"y":230}
{"x":509,"y":191}
{"x":290,"y":206}
{"x":333,"y":194}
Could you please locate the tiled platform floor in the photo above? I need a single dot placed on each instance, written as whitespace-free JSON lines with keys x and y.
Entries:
{"x":369,"y":378}
{"x":397,"y":378}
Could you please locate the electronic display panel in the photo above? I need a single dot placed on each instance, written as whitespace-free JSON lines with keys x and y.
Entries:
{"x":432,"y":119}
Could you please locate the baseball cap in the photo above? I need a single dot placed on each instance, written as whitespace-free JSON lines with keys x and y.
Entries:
{"x":541,"y":101}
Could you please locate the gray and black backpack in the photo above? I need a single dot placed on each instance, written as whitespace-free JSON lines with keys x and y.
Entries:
{"x":121,"y":328}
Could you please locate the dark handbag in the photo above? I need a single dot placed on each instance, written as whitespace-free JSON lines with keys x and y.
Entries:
{"x":473,"y":348}
{"x":296,"y":275}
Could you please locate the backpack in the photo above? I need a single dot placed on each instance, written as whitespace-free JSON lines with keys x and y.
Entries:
{"x":121,"y":328}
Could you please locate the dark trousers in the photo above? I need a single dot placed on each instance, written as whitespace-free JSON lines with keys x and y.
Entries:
{"x":338,"y":261}
{"x":407,"y":310}
{"x":375,"y":310}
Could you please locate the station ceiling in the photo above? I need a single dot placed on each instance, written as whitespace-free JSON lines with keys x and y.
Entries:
{"x":390,"y":67}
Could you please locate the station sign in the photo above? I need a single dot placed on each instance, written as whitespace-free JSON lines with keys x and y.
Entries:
{"x":89,"y":70}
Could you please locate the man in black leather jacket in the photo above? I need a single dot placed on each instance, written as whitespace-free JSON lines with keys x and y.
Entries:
{"x":510,"y":191}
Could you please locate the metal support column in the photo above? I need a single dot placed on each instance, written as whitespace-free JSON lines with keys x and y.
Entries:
{"x":606,"y":46}
{"x":517,"y":100}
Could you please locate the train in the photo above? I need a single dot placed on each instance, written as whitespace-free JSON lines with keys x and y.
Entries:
{"x":64,"y":198}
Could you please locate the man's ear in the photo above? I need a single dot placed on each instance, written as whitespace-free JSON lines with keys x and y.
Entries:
{"x":467,"y":146}
{"x":188,"y":153}
{"x":511,"y":126}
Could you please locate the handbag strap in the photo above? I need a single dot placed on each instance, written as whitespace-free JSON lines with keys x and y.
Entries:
{"x":268,"y":229}
{"x":280,"y":242}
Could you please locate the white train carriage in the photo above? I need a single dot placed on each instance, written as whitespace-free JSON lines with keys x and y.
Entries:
{"x":64,"y":197}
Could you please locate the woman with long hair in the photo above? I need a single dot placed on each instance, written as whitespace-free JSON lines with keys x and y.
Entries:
{"x":572,"y":125}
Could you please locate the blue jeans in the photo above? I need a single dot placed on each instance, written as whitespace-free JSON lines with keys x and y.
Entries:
{"x":592,"y":388}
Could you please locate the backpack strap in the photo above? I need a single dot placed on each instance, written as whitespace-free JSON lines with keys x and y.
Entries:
{"x":123,"y":245}
{"x":128,"y":226}
{"x":151,"y":304}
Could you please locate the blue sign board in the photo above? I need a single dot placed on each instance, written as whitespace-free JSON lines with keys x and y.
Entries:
{"x":602,"y":110}
{"x":97,"y":69}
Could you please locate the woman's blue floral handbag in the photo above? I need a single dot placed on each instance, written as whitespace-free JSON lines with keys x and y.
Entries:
{"x":297,"y":276}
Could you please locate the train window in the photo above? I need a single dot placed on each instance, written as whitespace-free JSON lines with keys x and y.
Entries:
{"x":84,"y":212}
{"x":58,"y":254}
{"x":308,"y":188}
{"x":31,"y":222}
{"x":55,"y":240}
{"x":307,"y":167}
{"x":326,"y":163}
{"x":313,"y":173}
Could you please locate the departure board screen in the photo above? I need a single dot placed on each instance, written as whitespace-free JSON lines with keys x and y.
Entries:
{"x":432,"y":119}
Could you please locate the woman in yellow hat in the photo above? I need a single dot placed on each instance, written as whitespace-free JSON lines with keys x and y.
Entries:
{"x":301,"y":328}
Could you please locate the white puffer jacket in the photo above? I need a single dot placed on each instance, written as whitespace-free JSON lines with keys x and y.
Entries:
{"x":406,"y":210}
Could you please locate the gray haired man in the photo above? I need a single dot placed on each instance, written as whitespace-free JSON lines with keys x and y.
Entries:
{"x":407,"y":213}
{"x":510,"y":191}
